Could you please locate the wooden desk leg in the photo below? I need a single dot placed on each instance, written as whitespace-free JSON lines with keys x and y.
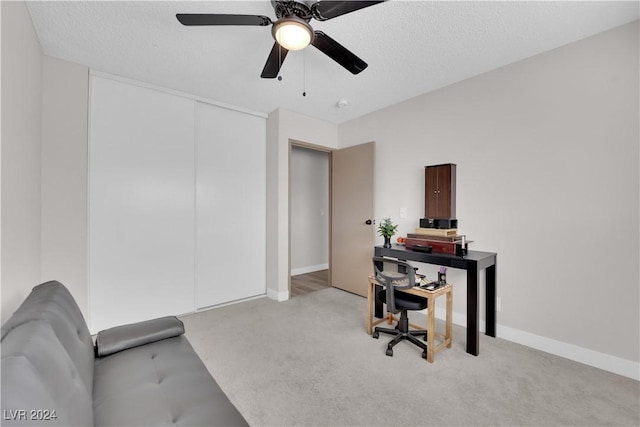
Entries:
{"x":447,"y":333}
{"x":431,"y":327}
{"x":473,"y":314}
{"x":369,"y":308}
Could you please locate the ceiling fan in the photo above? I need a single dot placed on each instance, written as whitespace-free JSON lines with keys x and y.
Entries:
{"x":292,"y":31}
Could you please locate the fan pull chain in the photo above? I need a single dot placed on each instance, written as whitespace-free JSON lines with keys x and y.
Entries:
{"x":304,"y":72}
{"x":279,"y":62}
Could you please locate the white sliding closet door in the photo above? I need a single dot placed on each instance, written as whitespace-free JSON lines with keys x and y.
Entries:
{"x":141,"y":204}
{"x":230,"y":205}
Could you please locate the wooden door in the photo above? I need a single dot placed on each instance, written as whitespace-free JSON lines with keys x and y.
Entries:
{"x":352,"y":238}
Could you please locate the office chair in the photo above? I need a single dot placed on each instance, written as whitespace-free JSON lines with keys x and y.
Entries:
{"x":399,"y":302}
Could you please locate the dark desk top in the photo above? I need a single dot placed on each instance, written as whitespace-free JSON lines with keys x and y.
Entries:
{"x":475,"y":259}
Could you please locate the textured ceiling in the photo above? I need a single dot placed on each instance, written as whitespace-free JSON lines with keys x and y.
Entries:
{"x":412,"y":47}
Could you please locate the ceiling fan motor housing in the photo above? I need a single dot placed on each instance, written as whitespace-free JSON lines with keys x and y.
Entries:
{"x":299,"y":8}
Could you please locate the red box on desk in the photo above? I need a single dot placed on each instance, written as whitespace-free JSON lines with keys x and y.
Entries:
{"x":438,"y":246}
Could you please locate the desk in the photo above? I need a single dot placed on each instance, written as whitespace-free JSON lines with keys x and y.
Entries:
{"x":431,"y":296}
{"x":473,"y":263}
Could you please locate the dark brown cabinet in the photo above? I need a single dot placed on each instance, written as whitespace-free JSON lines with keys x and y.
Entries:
{"x":440,"y":191}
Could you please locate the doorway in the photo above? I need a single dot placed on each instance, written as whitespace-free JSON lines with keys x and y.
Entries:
{"x":309,"y":213}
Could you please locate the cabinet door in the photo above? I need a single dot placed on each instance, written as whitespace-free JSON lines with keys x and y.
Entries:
{"x":230,"y":205}
{"x":440,"y":191}
{"x":141,"y":204}
{"x":446,"y":191}
{"x":431,"y":192}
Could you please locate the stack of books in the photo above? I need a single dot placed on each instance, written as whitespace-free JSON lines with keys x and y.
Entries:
{"x":441,"y":240}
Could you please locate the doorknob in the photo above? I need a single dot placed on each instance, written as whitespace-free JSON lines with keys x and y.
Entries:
{"x":369,"y":222}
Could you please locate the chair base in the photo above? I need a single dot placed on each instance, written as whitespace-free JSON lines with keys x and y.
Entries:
{"x":402,"y":332}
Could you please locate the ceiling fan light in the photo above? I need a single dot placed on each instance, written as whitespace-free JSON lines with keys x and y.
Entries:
{"x":292,"y":33}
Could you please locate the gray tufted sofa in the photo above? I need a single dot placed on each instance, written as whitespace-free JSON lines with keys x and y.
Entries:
{"x":143,"y":374}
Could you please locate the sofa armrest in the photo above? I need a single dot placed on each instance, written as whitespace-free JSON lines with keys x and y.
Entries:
{"x":124,"y":337}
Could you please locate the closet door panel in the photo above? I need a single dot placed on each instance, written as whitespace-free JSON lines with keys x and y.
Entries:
{"x":230,"y":205}
{"x":141,"y":204}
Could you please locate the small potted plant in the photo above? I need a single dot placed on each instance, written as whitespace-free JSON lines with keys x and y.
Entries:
{"x":387,"y":229}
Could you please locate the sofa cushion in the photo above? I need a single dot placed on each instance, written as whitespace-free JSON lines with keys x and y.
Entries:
{"x":41,"y":384}
{"x":162,"y":383}
{"x":51,"y":302}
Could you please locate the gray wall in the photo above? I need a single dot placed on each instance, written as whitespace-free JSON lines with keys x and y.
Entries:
{"x":547,"y":154}
{"x":21,"y":128}
{"x":309,"y":200}
{"x":44,"y":161}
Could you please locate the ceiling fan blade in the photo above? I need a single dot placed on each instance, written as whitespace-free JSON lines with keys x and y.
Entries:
{"x":326,"y":9}
{"x":338,"y":53}
{"x":222,"y":19}
{"x":274,"y":62}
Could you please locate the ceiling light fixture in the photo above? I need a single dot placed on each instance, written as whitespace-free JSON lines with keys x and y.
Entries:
{"x":292,"y":33}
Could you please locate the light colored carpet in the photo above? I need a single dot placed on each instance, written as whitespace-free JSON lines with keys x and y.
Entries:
{"x":309,"y":362}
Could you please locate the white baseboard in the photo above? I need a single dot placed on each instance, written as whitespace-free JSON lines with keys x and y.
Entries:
{"x":309,"y":269}
{"x":278,"y":296}
{"x":607,"y":362}
{"x":617,"y":365}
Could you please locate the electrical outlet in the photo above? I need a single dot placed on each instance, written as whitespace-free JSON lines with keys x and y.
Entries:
{"x":403,"y":212}
{"x":498,"y":304}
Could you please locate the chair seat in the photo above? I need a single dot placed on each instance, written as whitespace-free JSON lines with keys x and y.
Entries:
{"x":405,"y":301}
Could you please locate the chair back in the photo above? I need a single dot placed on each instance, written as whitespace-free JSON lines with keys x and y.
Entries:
{"x":403,"y":277}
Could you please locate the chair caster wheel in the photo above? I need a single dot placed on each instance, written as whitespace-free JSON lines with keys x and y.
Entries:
{"x":375,"y":334}
{"x":424,"y":354}
{"x":389,"y":352}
